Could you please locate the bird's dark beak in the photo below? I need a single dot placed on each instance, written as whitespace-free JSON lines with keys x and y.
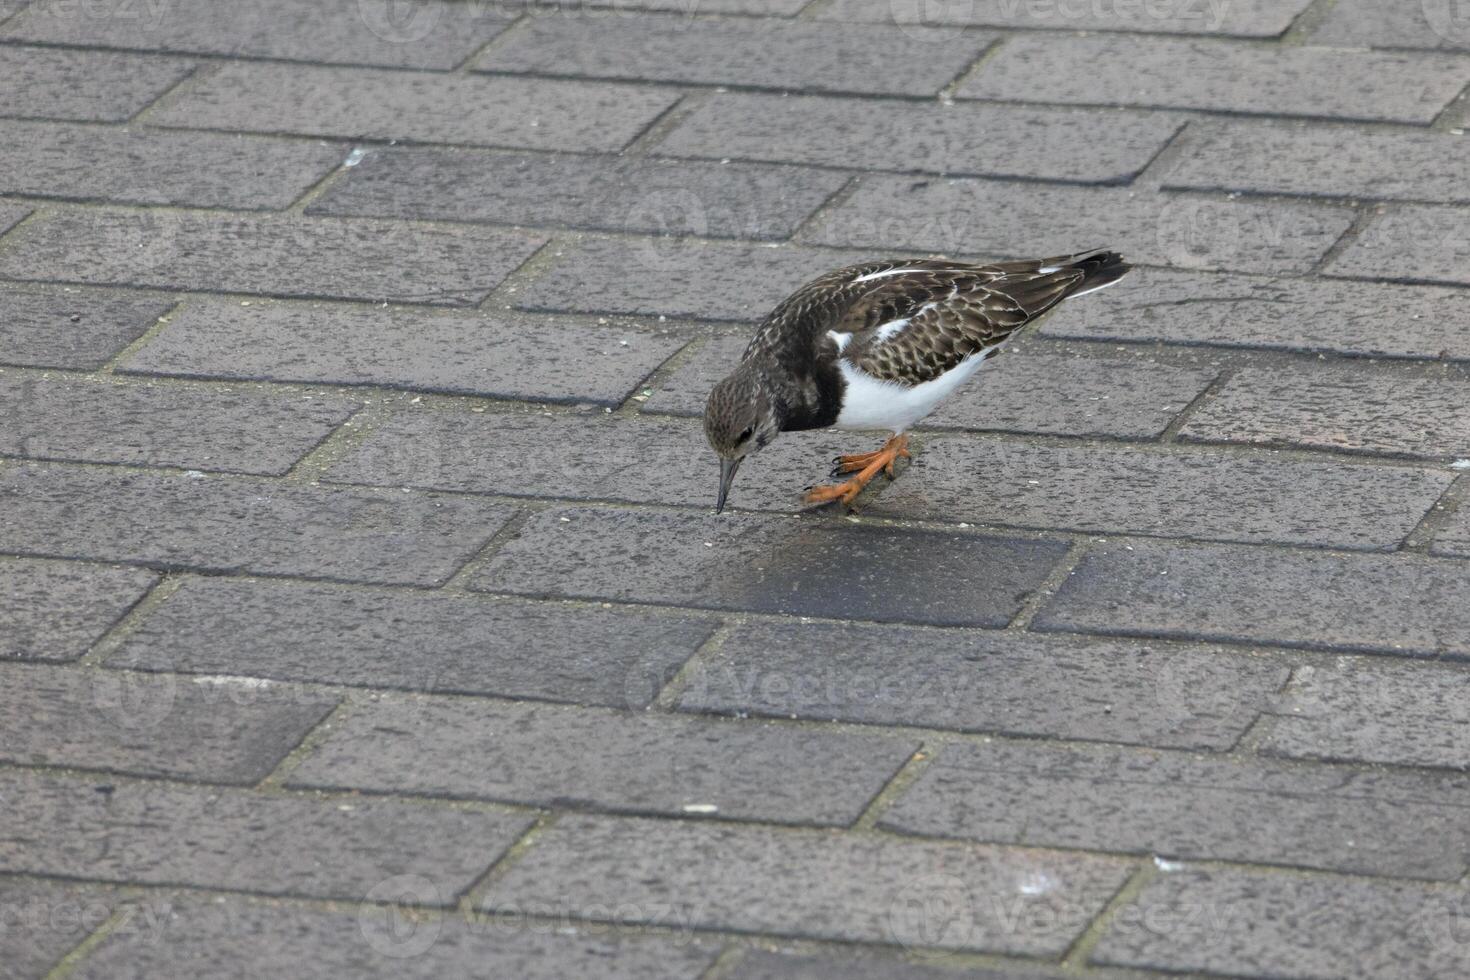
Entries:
{"x":727,"y":477}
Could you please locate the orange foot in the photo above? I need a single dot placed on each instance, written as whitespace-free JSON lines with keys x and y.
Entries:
{"x":866,"y":466}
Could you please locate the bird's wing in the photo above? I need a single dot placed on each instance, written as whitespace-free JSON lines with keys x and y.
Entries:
{"x":912,"y":325}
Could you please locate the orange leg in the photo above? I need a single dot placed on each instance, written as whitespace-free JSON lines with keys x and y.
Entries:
{"x":866,"y":466}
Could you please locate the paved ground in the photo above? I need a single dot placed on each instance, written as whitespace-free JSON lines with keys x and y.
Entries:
{"x":361,"y":608}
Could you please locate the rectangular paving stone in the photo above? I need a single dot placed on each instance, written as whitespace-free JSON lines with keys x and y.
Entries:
{"x":575,"y":757}
{"x":984,"y":140}
{"x":1278,"y":314}
{"x":89,"y":163}
{"x":1410,"y":243}
{"x":42,"y":921}
{"x":801,"y":566}
{"x":423,"y":34}
{"x":1221,"y":76}
{"x":359,"y":103}
{"x":1025,"y":391}
{"x":500,"y":354}
{"x":1244,"y":18}
{"x":1385,"y":604}
{"x":1177,"y":805}
{"x":1369,"y":23}
{"x":208,"y":729}
{"x":97,"y":86}
{"x":698,"y":280}
{"x":175,"y":425}
{"x":54,"y":610}
{"x":811,"y":884}
{"x":663,"y":197}
{"x":320,"y":257}
{"x":153,"y":834}
{"x":977,"y":681}
{"x":800,"y":56}
{"x":650,"y":460}
{"x":1301,"y":927}
{"x":389,"y":638}
{"x":228,"y":525}
{"x":241,"y":941}
{"x":1356,"y":410}
{"x":1253,"y":499}
{"x":759,"y":964}
{"x":1367,"y":710}
{"x":1408,"y":166}
{"x":1454,"y":539}
{"x":1029,"y":219}
{"x":71,"y":326}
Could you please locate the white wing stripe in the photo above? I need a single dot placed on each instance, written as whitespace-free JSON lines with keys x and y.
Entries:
{"x":883,"y":274}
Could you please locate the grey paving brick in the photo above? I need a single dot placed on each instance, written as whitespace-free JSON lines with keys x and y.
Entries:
{"x":424,"y":34}
{"x":1365,"y":709}
{"x":611,"y":193}
{"x":545,"y":755}
{"x":53,"y":610}
{"x":674,"y":278}
{"x":218,"y":730}
{"x":810,"y":884}
{"x":1028,"y":219}
{"x":758,"y":964}
{"x":42,"y":921}
{"x":100,"y":86}
{"x":320,"y":257}
{"x":299,"y":632}
{"x":1212,"y":496}
{"x":158,"y":834}
{"x":1303,"y":927}
{"x":223,"y":524}
{"x":871,"y":60}
{"x":158,"y":167}
{"x":174,"y":425}
{"x":241,"y":941}
{"x":1022,"y":684}
{"x":71,"y":327}
{"x":1404,"y":605}
{"x":1368,"y":23}
{"x":1454,"y":539}
{"x":502,"y":354}
{"x":357,"y":103}
{"x":1182,"y":806}
{"x":1056,"y":394}
{"x":1247,"y":18}
{"x":587,"y":455}
{"x":1410,"y":243}
{"x":801,"y":566}
{"x":1281,"y":314}
{"x":1309,"y":160}
{"x":984,"y":140}
{"x":1221,"y":76}
{"x":1358,"y":410}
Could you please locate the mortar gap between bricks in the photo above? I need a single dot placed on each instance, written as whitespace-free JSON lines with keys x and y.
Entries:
{"x":1453,"y":117}
{"x":649,"y":385}
{"x":343,"y":439}
{"x":126,"y":624}
{"x":502,"y":297}
{"x":888,"y":794}
{"x":466,"y":64}
{"x":725,"y":964}
{"x":459,"y":581}
{"x":201,"y":71}
{"x":1081,"y":950}
{"x":68,"y":963}
{"x":987,"y":54}
{"x":1170,"y":435}
{"x":833,"y":201}
{"x":474,"y":893}
{"x":651,"y":135}
{"x":666,"y":698}
{"x":1306,"y":22}
{"x":315,"y":736}
{"x":323,"y":184}
{"x":1362,"y":217}
{"x":1076,"y":551}
{"x":1438,"y":517}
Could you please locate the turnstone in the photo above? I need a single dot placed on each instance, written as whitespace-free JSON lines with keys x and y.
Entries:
{"x":879,"y":346}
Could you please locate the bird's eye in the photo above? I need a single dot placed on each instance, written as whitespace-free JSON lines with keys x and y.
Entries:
{"x":749,"y":431}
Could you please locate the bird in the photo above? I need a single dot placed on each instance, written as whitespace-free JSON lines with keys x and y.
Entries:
{"x":878,"y":346}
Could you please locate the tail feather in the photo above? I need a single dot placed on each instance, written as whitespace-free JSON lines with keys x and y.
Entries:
{"x":1100,"y":269}
{"x":1039,"y":284}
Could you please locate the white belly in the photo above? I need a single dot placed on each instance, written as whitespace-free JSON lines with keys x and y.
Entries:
{"x":868,"y":403}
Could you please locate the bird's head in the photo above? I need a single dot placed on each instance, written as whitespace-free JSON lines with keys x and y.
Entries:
{"x":741,"y":417}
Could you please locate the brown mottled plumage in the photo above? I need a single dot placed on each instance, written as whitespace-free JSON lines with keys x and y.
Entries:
{"x":878,"y":345}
